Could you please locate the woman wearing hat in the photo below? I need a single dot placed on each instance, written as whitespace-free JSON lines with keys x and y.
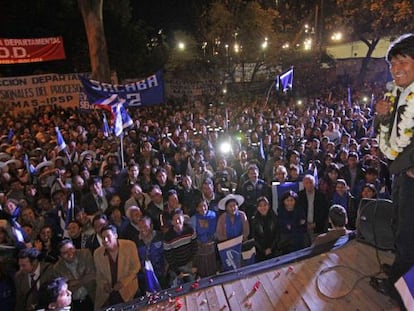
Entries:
{"x":233,"y":222}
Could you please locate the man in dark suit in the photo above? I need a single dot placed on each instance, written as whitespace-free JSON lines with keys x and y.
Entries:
{"x":396,"y":143}
{"x":315,"y":205}
{"x":352,"y":172}
{"x":94,"y":201}
{"x":32,"y":274}
{"x":252,"y":189}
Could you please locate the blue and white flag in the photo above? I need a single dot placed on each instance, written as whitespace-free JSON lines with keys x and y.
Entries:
{"x":405,"y":287}
{"x":59,"y":139}
{"x":231,"y":253}
{"x":105,"y":127}
{"x":146,"y":92}
{"x":285,"y":80}
{"x":151,"y":280}
{"x":262,"y":153}
{"x":349,"y":98}
{"x":10,"y":135}
{"x":371,"y":105}
{"x":278,"y":189}
{"x":119,"y":116}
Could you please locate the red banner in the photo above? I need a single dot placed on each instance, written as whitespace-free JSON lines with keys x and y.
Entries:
{"x":17,"y":51}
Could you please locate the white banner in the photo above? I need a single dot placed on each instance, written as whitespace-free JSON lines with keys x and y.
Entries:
{"x":28,"y":93}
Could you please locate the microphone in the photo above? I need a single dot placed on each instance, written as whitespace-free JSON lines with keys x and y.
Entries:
{"x":390,"y":85}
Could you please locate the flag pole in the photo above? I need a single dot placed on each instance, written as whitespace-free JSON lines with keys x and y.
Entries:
{"x":269,"y":91}
{"x":122,"y":150}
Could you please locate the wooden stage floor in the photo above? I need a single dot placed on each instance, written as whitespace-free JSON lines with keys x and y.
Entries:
{"x":317,"y":283}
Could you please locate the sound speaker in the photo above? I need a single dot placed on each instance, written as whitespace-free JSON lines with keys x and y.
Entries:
{"x":374,"y":223}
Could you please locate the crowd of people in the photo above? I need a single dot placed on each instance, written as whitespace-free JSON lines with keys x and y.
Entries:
{"x":175,"y":192}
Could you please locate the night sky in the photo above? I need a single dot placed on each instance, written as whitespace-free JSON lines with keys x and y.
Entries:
{"x":169,"y":15}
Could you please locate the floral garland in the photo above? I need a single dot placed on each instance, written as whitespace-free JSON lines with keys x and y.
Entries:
{"x":392,"y":148}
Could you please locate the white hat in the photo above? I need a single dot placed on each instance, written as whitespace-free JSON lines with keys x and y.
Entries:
{"x":64,"y":159}
{"x":85,"y":153}
{"x":237,"y":197}
{"x":5,"y":156}
{"x":44,"y":164}
{"x":16,"y":162}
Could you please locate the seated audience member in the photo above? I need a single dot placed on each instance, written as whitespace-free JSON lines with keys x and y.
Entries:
{"x":180,"y":248}
{"x":77,"y":266}
{"x":233,"y":222}
{"x":338,"y":219}
{"x":265,"y":230}
{"x":55,"y":295}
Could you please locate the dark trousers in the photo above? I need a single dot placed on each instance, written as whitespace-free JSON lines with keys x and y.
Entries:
{"x":403,"y":198}
{"x":82,"y":305}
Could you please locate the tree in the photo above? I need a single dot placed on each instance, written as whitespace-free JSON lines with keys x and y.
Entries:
{"x":93,"y":19}
{"x":234,"y":31}
{"x":369,"y":21}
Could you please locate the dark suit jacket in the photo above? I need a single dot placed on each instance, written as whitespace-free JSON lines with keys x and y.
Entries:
{"x":320,"y":209}
{"x":88,"y":203}
{"x":130,"y":233}
{"x":24,"y":298}
{"x":85,"y":269}
{"x":345,"y":173}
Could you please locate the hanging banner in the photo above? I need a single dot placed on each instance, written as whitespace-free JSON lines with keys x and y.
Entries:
{"x":28,"y":93}
{"x":18,"y":51}
{"x":145,"y":92}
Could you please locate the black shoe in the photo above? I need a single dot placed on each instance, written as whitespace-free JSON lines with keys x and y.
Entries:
{"x":381,"y":285}
{"x":385,"y":287}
